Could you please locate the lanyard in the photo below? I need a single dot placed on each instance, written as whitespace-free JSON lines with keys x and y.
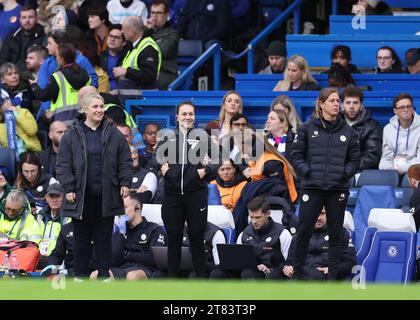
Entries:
{"x":11,"y":230}
{"x":406,"y":142}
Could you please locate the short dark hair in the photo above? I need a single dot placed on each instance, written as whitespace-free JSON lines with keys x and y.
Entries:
{"x":117,"y":26}
{"x":39,"y":50}
{"x":158,"y":2}
{"x":59,"y":36}
{"x":400,"y":97}
{"x":185,"y":102}
{"x":238,"y":116}
{"x":136,"y":197}
{"x":151,"y":124}
{"x":67,"y":51}
{"x":352,"y":92}
{"x":345,"y":51}
{"x":100,"y":11}
{"x":29,"y":7}
{"x":339,"y":76}
{"x":258,"y":203}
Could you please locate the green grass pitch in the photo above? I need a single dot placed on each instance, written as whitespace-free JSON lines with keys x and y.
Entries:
{"x":198,"y":290}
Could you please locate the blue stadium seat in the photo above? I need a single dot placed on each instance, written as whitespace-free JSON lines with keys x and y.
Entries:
{"x":256,"y":103}
{"x":223,"y":218}
{"x":391,"y":258}
{"x":405,"y":183}
{"x":342,"y":24}
{"x":385,"y":81}
{"x":366,"y":244}
{"x":384,"y":220}
{"x":403,"y":4}
{"x":374,"y":177}
{"x":363,"y":47}
{"x":370,"y":197}
{"x":214,"y":195}
{"x":229,"y":234}
{"x":270,"y":9}
{"x":348,"y":224}
{"x":8,"y":160}
{"x":188,"y":52}
{"x":403,"y":196}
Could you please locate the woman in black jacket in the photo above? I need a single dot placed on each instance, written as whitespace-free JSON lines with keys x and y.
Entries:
{"x":326,"y":154}
{"x":181,"y":156}
{"x":94,"y":166}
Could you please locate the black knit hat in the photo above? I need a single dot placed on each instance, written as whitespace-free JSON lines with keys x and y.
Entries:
{"x":277,"y":48}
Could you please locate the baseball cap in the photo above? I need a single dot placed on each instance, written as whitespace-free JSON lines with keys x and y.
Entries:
{"x":277,"y":48}
{"x":412,"y":56}
{"x":55,"y":189}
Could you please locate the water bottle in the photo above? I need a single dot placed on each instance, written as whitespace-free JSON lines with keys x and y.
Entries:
{"x":14,"y":262}
{"x":6,"y":262}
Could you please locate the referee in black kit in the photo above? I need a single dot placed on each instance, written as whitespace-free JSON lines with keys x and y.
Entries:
{"x":326,"y":154}
{"x":180,"y":156}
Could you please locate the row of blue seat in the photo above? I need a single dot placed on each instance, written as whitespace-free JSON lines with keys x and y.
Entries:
{"x":363,"y":47}
{"x":374,"y":25}
{"x":159,"y":106}
{"x":394,"y":82}
{"x":373,"y":177}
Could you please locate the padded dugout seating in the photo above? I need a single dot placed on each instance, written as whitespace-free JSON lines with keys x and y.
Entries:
{"x":392,"y":253}
{"x":216,"y":214}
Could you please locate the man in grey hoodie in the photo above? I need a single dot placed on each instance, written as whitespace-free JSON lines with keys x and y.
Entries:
{"x":401,"y":138}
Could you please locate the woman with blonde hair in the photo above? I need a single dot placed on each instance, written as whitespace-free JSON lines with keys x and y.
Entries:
{"x":268,"y":163}
{"x":231,"y":105}
{"x":279,"y":133}
{"x":284,"y":103}
{"x":94,"y":167}
{"x":269,"y":173}
{"x":297,"y":76}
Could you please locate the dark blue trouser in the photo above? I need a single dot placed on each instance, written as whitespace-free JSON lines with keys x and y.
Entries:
{"x":311,"y":203}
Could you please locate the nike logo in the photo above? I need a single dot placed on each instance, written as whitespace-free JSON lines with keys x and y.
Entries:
{"x":202,"y":209}
{"x":314,"y":136}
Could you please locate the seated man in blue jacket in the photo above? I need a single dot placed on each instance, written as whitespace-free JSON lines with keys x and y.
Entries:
{"x":131,"y":255}
{"x":316,"y":264}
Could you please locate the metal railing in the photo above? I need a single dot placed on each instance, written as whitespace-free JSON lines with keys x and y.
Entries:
{"x":295,"y":8}
{"x":215,"y":50}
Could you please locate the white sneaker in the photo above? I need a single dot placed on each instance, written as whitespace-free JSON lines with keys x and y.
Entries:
{"x":75,"y":279}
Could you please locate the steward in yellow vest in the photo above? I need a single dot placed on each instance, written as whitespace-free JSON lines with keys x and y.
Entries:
{"x":49,"y":219}
{"x":141,"y":65}
{"x":64,"y":85}
{"x":16,"y":219}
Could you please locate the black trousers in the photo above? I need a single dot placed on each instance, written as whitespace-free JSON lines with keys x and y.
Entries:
{"x":246,"y":274}
{"x":311,"y":203}
{"x":176,"y":210}
{"x":92,"y":227}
